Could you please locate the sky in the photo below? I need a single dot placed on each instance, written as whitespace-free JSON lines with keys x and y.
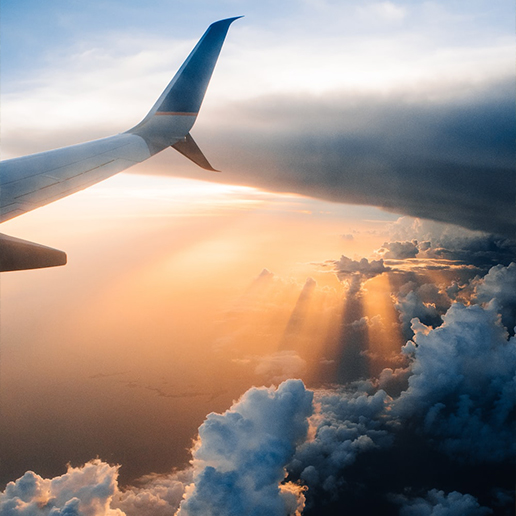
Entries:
{"x":326,"y":326}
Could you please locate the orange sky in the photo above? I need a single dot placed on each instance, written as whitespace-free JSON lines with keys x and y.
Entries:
{"x":162,"y":310}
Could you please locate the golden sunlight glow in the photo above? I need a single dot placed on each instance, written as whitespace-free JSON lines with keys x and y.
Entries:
{"x":190,"y":279}
{"x":383,"y":332}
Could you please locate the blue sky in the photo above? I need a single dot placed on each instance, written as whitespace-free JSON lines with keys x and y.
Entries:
{"x":35,"y":33}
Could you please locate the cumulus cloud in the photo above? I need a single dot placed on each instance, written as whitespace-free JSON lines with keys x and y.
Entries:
{"x":437,"y":503}
{"x":276,"y":451}
{"x":86,"y":491}
{"x":457,"y":396}
{"x":238,"y":465}
{"x":462,"y":390}
{"x":155,"y":495}
{"x":457,"y":393}
{"x":345,"y":267}
{"x":345,"y":425}
{"x":240,"y":459}
{"x":398,"y":250}
{"x":411,"y":304}
{"x":497,"y":290}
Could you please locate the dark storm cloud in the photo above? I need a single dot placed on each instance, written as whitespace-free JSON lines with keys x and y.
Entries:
{"x":444,"y":158}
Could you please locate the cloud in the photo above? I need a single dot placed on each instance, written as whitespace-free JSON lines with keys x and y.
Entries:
{"x":345,"y":425}
{"x":438,"y":241}
{"x":462,"y":391}
{"x":238,"y":465}
{"x":497,"y":290}
{"x":437,"y":503}
{"x":411,"y":305}
{"x":445,"y":160}
{"x":456,"y":399}
{"x":86,"y":491}
{"x":384,"y":11}
{"x":346,"y":267}
{"x":398,"y":250}
{"x":155,"y":495}
{"x":240,"y":459}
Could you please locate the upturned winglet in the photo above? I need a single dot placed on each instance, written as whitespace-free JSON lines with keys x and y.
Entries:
{"x":169,"y":121}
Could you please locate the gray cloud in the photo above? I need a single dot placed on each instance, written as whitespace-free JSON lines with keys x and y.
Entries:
{"x":497,"y":290}
{"x":398,"y":250}
{"x":346,"y":424}
{"x":448,"y":160}
{"x":437,"y":503}
{"x":411,"y":303}
{"x":462,"y":390}
{"x":439,"y":241}
{"x":346,"y":267}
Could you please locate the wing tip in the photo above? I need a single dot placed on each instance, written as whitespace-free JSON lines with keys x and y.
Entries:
{"x":227,"y":21}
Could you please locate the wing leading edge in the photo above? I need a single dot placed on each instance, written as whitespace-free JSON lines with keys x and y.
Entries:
{"x":28,"y":182}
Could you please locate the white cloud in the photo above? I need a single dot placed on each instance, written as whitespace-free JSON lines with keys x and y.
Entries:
{"x":240,"y":459}
{"x":86,"y":491}
{"x":155,"y":495}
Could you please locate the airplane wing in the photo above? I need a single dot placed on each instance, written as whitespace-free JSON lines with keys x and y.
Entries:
{"x":32,"y":181}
